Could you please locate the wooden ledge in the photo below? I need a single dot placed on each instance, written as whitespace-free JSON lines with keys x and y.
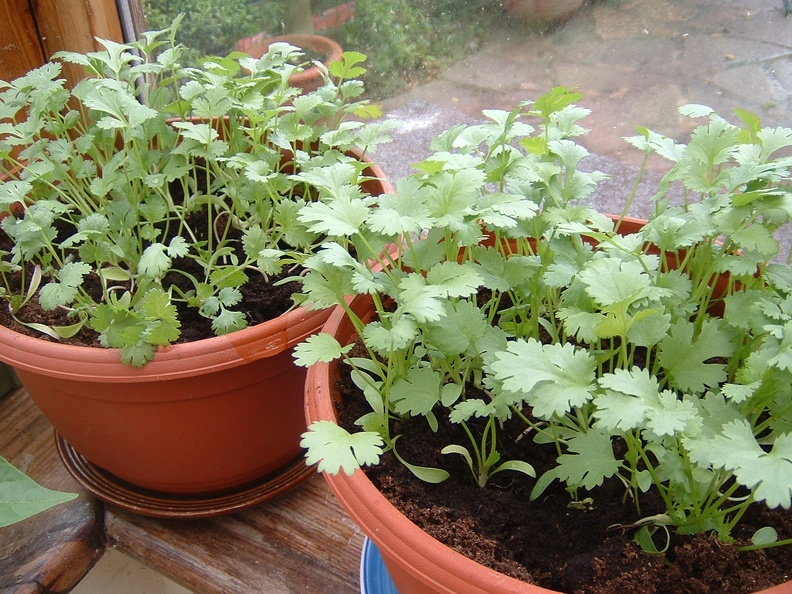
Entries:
{"x":52,"y":551}
{"x":302,"y":541}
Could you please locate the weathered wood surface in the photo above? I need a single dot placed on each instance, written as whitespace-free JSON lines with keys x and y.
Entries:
{"x":32,"y":31}
{"x":20,"y":49}
{"x":301,"y":542}
{"x":52,"y":551}
{"x":73,"y":25}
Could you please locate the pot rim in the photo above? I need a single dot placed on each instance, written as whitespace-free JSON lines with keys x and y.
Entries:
{"x":86,"y":363}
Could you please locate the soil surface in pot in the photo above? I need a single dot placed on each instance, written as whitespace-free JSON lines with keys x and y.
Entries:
{"x":262,"y":300}
{"x":578,"y":547}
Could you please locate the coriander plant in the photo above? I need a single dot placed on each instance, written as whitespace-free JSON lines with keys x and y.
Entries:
{"x":154,"y":189}
{"x":510,"y":297}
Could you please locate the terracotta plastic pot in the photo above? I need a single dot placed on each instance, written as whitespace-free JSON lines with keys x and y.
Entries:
{"x":416,"y":562}
{"x":309,"y":79}
{"x":540,"y":12}
{"x":202,"y":417}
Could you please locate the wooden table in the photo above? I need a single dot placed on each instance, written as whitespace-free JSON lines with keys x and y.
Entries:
{"x":301,"y":541}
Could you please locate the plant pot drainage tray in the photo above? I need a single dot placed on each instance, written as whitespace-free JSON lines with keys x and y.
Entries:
{"x":108,"y":488}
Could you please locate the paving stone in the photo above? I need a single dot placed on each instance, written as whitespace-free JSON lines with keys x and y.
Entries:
{"x":638,"y":18}
{"x":781,"y":69}
{"x":721,"y":52}
{"x":497,"y":72}
{"x":750,"y":84}
{"x":648,"y":54}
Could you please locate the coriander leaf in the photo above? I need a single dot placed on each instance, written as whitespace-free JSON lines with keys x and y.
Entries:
{"x":633,"y":400}
{"x":178,"y":247}
{"x":344,"y":216}
{"x":285,"y":217}
{"x":418,"y":393}
{"x":627,"y":399}
{"x":259,"y":171}
{"x":229,"y":296}
{"x":13,"y":191}
{"x":773,"y":139}
{"x":229,"y":321}
{"x":589,"y":462}
{"x":552,"y":378}
{"x":159,"y":317}
{"x":767,"y":474}
{"x":501,"y":274}
{"x":581,"y":324}
{"x":453,"y":280}
{"x":609,"y":281}
{"x":684,"y":357}
{"x":459,"y":330}
{"x":337,"y":255}
{"x":672,"y":416}
{"x":227,"y":276}
{"x":400,"y":332}
{"x":649,"y":327}
{"x":335,"y":179}
{"x":670,"y":231}
{"x":738,"y":393}
{"x":154,"y":262}
{"x":71,"y":276}
{"x":715,"y":412}
{"x":335,"y":449}
{"x":424,"y":302}
{"x":137,"y":354}
{"x":780,"y":346}
{"x":269,"y":260}
{"x":450,"y":200}
{"x":319,"y":347}
{"x":326,"y":286}
{"x":403,"y":212}
{"x":473,"y":407}
{"x":502,"y":211}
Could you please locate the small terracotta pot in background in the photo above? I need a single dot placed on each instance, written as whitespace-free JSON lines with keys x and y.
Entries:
{"x":541,"y":12}
{"x":309,"y":79}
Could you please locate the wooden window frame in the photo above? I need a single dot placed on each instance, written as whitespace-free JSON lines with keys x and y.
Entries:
{"x":36,"y":29}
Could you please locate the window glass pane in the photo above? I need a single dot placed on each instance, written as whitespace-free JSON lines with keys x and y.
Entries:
{"x":635,"y":61}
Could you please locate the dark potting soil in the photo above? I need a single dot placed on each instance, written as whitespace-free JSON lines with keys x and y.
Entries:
{"x":263,"y":299}
{"x":576,"y":547}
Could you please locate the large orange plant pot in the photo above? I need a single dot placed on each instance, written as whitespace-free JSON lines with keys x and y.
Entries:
{"x":202,"y":418}
{"x":416,"y":562}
